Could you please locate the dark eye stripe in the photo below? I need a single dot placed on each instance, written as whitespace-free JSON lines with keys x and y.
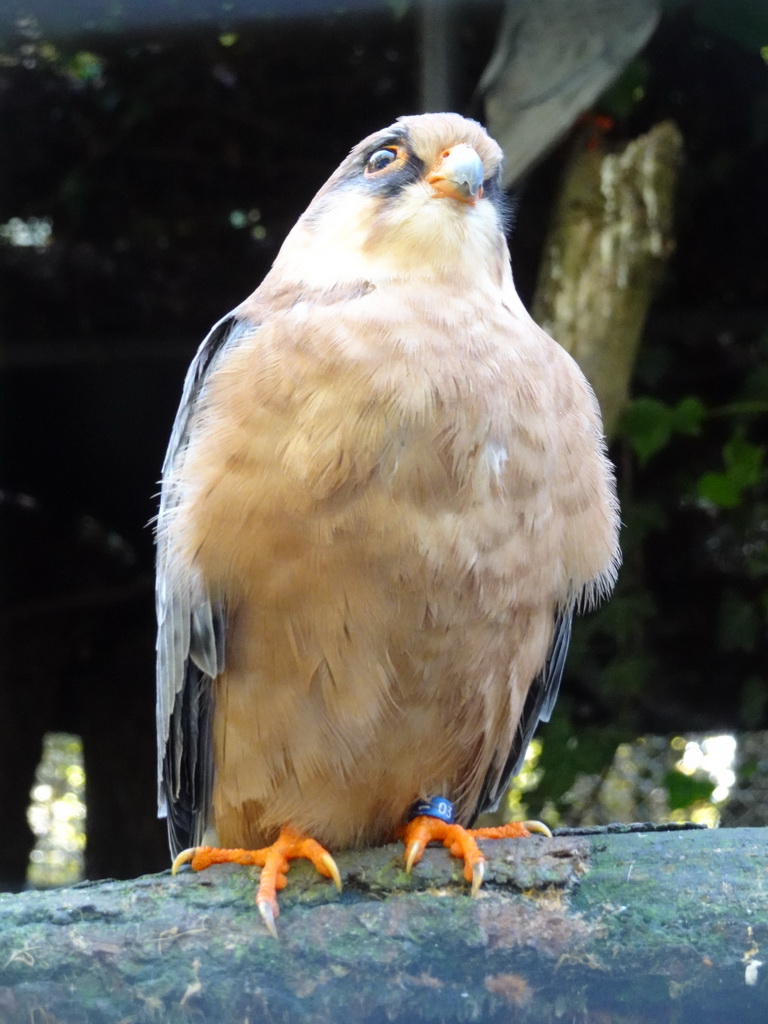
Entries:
{"x":392,"y":182}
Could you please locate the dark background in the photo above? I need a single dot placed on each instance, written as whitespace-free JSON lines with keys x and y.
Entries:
{"x":171,"y":159}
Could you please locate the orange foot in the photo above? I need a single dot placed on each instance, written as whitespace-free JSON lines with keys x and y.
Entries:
{"x":462,"y":842}
{"x":273,"y":861}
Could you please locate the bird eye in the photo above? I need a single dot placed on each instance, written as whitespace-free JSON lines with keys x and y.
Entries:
{"x":381,"y":158}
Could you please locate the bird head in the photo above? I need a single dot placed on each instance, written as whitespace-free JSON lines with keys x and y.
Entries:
{"x":420,"y":198}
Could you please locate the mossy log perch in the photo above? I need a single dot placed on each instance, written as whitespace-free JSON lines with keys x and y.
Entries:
{"x":611,"y":234}
{"x":644,"y":926}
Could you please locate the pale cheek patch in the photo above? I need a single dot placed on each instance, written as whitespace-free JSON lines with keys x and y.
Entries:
{"x":332,"y":248}
{"x":438,"y":236}
{"x":357,"y":236}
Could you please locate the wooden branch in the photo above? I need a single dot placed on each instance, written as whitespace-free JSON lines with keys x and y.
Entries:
{"x":656,"y":926}
{"x":611,"y":235}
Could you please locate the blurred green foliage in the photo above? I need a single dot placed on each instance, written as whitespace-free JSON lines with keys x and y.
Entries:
{"x":683,"y":790}
{"x":649,"y":425}
{"x":57,"y":814}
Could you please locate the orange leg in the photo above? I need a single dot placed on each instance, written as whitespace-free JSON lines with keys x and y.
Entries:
{"x":274,"y":862}
{"x":462,"y":842}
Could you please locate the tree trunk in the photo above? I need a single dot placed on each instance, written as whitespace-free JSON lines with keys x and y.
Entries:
{"x":646,"y":926}
{"x":611,"y":234}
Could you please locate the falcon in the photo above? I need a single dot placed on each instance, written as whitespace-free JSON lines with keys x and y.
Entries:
{"x":385,"y":494}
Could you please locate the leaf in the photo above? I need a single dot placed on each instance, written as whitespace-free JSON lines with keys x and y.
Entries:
{"x":720,"y":489}
{"x":687,"y":416}
{"x":744,"y":461}
{"x":743,"y":468}
{"x":684,"y":790}
{"x":647,"y":425}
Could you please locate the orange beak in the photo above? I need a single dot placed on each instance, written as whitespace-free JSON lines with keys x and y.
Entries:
{"x":458,"y":174}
